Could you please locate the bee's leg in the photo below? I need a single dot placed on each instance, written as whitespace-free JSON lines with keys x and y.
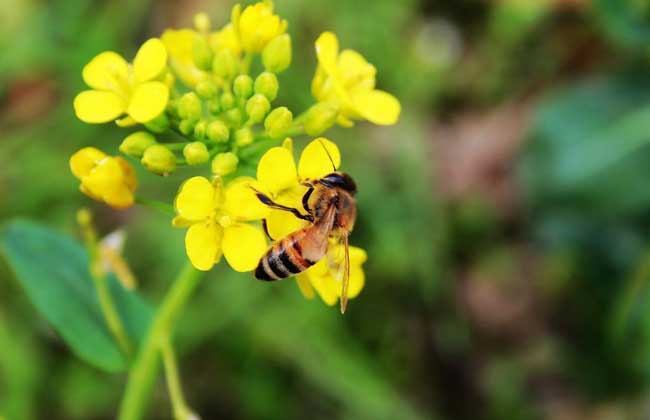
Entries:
{"x":267,"y":201}
{"x":266,"y":230}
{"x":305,"y":199}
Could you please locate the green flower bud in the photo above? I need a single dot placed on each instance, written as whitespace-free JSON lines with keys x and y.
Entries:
{"x":257,"y":107}
{"x":224,"y":163}
{"x":202,"y":22}
{"x":186,"y":127}
{"x":225,"y":64}
{"x":267,"y":85}
{"x":243,"y":86}
{"x":206,"y":89}
{"x":227,"y":101}
{"x":196,"y":153}
{"x":277,"y":54}
{"x":201,"y":53}
{"x":158,"y":125}
{"x":234,"y":117}
{"x":200,"y":128}
{"x":278,"y":122}
{"x":214,"y":106}
{"x":218,"y":131}
{"x":244,"y":137}
{"x":320,"y":118}
{"x":159,"y":159}
{"x":135,"y":144}
{"x":189,"y":107}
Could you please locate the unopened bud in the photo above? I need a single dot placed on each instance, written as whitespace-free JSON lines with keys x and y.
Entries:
{"x":189,"y":107}
{"x":267,"y":85}
{"x":135,"y":144}
{"x":186,"y":127}
{"x":159,"y":159}
{"x":199,"y":129}
{"x":234,"y":117}
{"x":227,"y":101}
{"x":201,"y":53}
{"x":244,"y":137}
{"x":278,"y":122}
{"x":320,"y":118}
{"x":277,"y":54}
{"x":243,"y":86}
{"x":225,"y":64}
{"x":257,"y":107}
{"x":202,"y":22}
{"x":214,"y":106}
{"x":196,"y":153}
{"x":206,"y":89}
{"x":218,"y":131}
{"x":158,"y":125}
{"x":224,"y":163}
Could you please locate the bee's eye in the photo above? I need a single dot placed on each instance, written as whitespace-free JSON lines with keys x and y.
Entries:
{"x":340,"y":180}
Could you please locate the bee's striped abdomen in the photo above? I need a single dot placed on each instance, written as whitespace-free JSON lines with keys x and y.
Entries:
{"x":284,"y":259}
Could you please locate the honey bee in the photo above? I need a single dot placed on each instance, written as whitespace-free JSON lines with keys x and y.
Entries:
{"x":330,"y":208}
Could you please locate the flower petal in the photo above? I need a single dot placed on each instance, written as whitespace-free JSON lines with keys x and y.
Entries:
{"x":105,"y":70}
{"x":243,"y":246}
{"x":327,"y":50}
{"x":94,"y":106}
{"x":317,"y":158}
{"x":148,"y":101}
{"x":126,"y":122}
{"x":280,"y":223}
{"x":305,"y":286}
{"x":203,"y":244}
{"x":357,"y":281}
{"x":150,"y":60}
{"x":241,"y":201}
{"x":377,"y":106}
{"x":355,"y":71}
{"x":276,"y":170}
{"x":326,"y":287}
{"x":196,"y":199}
{"x":84,"y":160}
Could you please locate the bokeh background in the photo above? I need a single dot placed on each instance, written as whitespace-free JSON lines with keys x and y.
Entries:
{"x":506,"y":218}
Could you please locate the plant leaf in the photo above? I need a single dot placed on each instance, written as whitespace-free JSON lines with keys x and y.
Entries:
{"x":53,"y":270}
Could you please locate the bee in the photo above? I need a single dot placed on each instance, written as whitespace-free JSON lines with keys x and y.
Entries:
{"x":331,"y":210}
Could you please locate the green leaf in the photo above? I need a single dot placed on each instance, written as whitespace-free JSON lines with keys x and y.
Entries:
{"x":53,"y":269}
{"x":625,"y":22}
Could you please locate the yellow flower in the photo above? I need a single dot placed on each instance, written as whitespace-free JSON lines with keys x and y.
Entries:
{"x":348,"y":80}
{"x":216,"y":217}
{"x":119,"y":88}
{"x":226,"y":39}
{"x":179,"y":44}
{"x":324,"y":276}
{"x":278,"y":177}
{"x":104,"y":178}
{"x":257,"y":25}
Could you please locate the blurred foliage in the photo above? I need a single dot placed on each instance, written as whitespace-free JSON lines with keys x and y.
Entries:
{"x":521,"y":295}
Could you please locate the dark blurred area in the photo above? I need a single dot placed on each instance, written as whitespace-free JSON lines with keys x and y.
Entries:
{"x":506,"y":218}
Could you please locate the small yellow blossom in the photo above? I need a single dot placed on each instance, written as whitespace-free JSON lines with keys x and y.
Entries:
{"x":257,"y":26}
{"x":119,"y":88}
{"x":225,"y":39}
{"x":281,"y":180}
{"x":217,"y":218}
{"x":179,"y":44}
{"x":104,"y":178}
{"x":347,"y":80}
{"x":325,"y":276}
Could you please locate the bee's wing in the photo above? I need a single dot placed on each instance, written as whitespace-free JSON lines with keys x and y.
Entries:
{"x":340,"y":267}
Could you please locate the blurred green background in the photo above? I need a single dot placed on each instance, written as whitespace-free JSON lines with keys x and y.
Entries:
{"x":506,"y":218}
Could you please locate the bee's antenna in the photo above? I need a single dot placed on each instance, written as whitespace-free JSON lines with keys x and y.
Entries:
{"x":328,"y":154}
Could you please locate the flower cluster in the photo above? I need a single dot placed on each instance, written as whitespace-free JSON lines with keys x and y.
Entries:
{"x":204,"y":97}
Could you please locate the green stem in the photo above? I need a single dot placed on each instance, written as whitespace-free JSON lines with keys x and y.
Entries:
{"x":157,"y":205}
{"x":144,"y":370}
{"x":180,"y":407}
{"x":630,"y":294}
{"x":110,"y":313}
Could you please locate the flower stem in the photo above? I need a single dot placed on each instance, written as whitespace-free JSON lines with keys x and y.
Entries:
{"x":110,"y":314}
{"x":157,"y":205}
{"x":180,"y":407}
{"x":145,"y":368}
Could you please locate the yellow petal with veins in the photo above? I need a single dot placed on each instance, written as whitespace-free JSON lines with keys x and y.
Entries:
{"x":203,"y":244}
{"x":94,"y":106}
{"x":106,"y":71}
{"x":150,"y":60}
{"x":276,"y":170}
{"x":148,"y":101}
{"x":319,"y":158}
{"x":243,"y":246}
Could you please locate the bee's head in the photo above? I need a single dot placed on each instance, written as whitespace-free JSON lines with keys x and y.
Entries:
{"x":340,"y":180}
